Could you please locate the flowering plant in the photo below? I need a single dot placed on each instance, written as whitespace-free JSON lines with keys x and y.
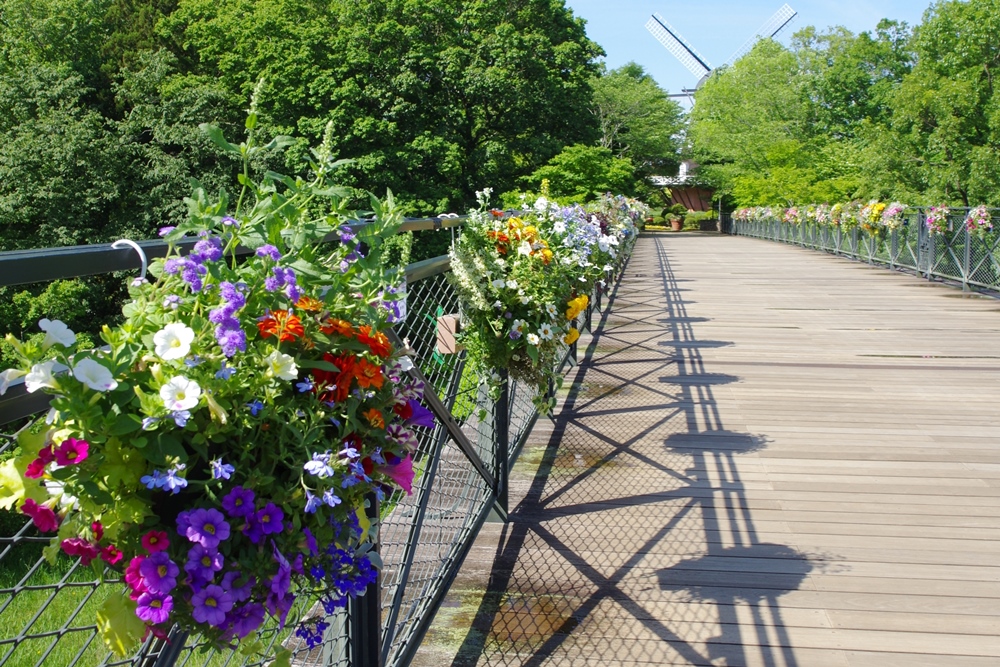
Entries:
{"x":937,"y":219}
{"x":792,"y":215}
{"x":979,"y":221}
{"x":523,"y":281}
{"x":892,"y":216}
{"x":220,"y":447}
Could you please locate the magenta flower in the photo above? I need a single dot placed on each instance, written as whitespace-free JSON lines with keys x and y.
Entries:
{"x":211,"y":604}
{"x":42,"y":516}
{"x":77,"y":546}
{"x":420,"y":415}
{"x":239,"y":502}
{"x":159,"y":573}
{"x":154,"y":608}
{"x":111,"y":554}
{"x":401,"y":473}
{"x":207,"y":527}
{"x":72,"y":451}
{"x":37,"y":467}
{"x":133,"y":578}
{"x":155,"y":541}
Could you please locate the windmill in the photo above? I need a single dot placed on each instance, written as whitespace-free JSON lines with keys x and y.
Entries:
{"x":695,"y":63}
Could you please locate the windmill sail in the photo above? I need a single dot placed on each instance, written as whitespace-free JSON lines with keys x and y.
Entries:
{"x":672,"y":40}
{"x":772,"y":27}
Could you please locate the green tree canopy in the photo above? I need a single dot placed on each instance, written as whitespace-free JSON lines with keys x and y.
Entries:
{"x":582,"y":173}
{"x":637,"y":120}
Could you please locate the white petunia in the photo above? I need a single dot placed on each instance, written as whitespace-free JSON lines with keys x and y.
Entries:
{"x":524,"y":248}
{"x":511,"y":284}
{"x":405,"y":364}
{"x":9,"y":376}
{"x":545,"y":331}
{"x":40,"y":376}
{"x":56,"y":332}
{"x":533,"y":339}
{"x":559,"y":227}
{"x":525,"y":299}
{"x":499,"y":283}
{"x":94,"y":375}
{"x":173,"y":341}
{"x":281,"y":365}
{"x":541,"y":204}
{"x":180,"y":393}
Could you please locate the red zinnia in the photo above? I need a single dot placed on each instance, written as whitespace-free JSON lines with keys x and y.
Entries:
{"x":281,"y":323}
{"x":376,"y":341}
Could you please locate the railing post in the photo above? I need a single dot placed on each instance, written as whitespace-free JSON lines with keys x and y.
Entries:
{"x":169,"y":648}
{"x":967,"y":259}
{"x":501,"y":433}
{"x":365,"y":641}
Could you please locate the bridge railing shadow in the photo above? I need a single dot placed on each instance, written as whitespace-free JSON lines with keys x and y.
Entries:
{"x":579,"y":573}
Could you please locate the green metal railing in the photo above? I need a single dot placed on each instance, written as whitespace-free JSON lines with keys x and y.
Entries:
{"x":957,"y":255}
{"x":47,"y":613}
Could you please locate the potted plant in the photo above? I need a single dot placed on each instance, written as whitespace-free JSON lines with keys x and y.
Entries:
{"x":219,"y":449}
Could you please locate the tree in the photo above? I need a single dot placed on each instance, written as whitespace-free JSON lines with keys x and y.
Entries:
{"x":944,"y":130}
{"x":582,"y":173}
{"x":638,"y":120}
{"x":433,"y":98}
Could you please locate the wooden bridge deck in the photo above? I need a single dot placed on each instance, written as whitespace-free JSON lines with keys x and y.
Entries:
{"x":770,"y":456}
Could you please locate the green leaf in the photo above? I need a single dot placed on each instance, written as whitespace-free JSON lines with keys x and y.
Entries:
{"x":126,"y":423}
{"x":214,"y":133}
{"x":118,"y":625}
{"x":533,"y":353}
{"x":320,"y":364}
{"x":282,"y":658}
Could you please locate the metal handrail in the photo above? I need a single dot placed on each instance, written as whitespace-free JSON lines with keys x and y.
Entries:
{"x":959,"y":256}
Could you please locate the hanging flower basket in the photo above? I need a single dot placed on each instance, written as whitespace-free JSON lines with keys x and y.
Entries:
{"x":220,"y":447}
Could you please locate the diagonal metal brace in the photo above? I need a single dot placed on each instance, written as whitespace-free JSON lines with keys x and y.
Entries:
{"x":444,"y":416}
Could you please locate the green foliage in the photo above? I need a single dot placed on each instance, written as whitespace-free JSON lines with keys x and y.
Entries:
{"x":637,"y":120}
{"x":893,"y":114}
{"x":583,"y":173}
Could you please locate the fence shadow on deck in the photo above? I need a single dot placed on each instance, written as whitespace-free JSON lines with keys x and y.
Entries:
{"x":579,"y":573}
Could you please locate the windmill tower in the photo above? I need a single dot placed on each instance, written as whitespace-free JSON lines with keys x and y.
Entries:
{"x":695,"y":63}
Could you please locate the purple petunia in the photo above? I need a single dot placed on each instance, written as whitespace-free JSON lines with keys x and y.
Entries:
{"x":239,"y":502}
{"x":211,"y":604}
{"x":207,"y":527}
{"x":310,"y":542}
{"x":271,"y":519}
{"x":159,"y":573}
{"x":420,"y":415}
{"x":240,"y":593}
{"x":154,"y":608}
{"x":203,"y":563}
{"x":246,"y":619}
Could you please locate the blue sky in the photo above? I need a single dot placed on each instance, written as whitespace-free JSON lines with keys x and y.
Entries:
{"x":717,"y":28}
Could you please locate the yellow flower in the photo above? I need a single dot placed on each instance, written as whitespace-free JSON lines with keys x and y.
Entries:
{"x":571,"y":336}
{"x":576,"y":306}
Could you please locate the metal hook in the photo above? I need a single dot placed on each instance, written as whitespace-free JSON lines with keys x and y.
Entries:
{"x":128,"y":243}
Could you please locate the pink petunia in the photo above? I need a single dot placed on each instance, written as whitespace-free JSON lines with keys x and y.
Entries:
{"x":42,"y":516}
{"x":401,"y":473}
{"x":155,"y":540}
{"x":72,"y":451}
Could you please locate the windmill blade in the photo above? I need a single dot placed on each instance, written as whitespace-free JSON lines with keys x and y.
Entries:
{"x":672,"y":40}
{"x":771,"y":28}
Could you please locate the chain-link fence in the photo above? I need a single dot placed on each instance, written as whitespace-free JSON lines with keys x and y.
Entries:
{"x":47,"y":611}
{"x":970,"y":258}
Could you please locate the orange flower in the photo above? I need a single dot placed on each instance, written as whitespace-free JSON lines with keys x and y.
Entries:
{"x":376,"y":341}
{"x":331,"y":325}
{"x":368,"y":374}
{"x":375,"y":418}
{"x":309,"y":303}
{"x":281,"y":323}
{"x":333,"y":386}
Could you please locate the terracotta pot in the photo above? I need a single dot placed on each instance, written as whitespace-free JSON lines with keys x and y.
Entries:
{"x":676,"y":225}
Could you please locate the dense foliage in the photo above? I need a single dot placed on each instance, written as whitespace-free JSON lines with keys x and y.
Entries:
{"x":900,"y":113}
